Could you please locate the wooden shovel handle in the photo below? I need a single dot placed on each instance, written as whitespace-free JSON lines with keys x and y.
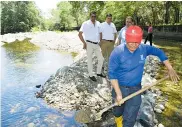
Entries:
{"x":140,"y":91}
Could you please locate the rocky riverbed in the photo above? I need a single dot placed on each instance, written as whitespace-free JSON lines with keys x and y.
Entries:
{"x":71,"y":89}
{"x":66,"y":41}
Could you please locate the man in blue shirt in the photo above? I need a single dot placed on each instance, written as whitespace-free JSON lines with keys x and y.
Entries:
{"x":126,"y":65}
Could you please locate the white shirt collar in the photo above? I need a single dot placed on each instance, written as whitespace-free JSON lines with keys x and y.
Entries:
{"x":92,"y":22}
{"x":108,"y":23}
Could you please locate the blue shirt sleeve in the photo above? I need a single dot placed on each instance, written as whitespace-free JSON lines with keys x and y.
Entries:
{"x":113,"y":64}
{"x":119,"y":36}
{"x":151,"y":50}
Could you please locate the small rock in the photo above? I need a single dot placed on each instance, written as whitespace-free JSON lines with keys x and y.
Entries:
{"x":57,"y":98}
{"x":72,"y":102}
{"x":99,"y":85}
{"x":76,"y":95}
{"x":158,"y":92}
{"x":158,"y":110}
{"x":160,"y":106}
{"x":156,"y":121}
{"x":31,"y":109}
{"x":38,"y":86}
{"x":31,"y":125}
{"x":160,"y":125}
{"x":38,"y":95}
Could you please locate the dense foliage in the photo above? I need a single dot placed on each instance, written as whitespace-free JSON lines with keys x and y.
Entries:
{"x":24,"y":16}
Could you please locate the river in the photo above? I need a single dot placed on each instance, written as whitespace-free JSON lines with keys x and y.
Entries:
{"x":21,"y":71}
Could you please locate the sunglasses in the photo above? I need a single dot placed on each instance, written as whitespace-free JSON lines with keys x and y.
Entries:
{"x":129,"y":22}
{"x":109,"y":18}
{"x":94,"y":16}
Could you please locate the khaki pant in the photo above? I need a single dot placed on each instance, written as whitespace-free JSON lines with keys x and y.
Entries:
{"x":94,"y":48}
{"x":106,"y":48}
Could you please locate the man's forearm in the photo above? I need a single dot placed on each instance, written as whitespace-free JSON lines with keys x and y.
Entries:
{"x":115,"y":85}
{"x":172,"y":73}
{"x":167,"y":64}
{"x":81,"y":37}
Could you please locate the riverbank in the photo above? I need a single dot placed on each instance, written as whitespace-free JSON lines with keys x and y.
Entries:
{"x":172,"y":115}
{"x":64,"y":41}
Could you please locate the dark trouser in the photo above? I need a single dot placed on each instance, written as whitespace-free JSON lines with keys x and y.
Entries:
{"x":130,"y":108}
{"x":149,"y":37}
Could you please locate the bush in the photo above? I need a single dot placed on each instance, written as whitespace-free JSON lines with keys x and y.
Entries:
{"x":35,"y":29}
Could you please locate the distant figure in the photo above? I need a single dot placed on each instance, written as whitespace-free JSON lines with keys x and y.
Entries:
{"x":150,"y":33}
{"x":90,"y":29}
{"x":108,"y":37}
{"x":121,"y":37}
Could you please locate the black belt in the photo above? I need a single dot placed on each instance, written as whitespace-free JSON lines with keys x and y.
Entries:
{"x":108,"y":40}
{"x":139,"y":85}
{"x":92,"y":42}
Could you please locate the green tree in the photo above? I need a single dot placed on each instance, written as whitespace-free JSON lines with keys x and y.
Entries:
{"x":65,"y":17}
{"x":78,"y":12}
{"x":18,"y":16}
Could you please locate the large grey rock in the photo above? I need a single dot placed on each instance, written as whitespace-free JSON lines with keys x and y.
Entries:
{"x":62,"y":71}
{"x":138,"y":124}
{"x":146,"y":113}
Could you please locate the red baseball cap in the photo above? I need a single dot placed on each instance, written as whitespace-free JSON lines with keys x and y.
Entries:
{"x":134,"y":34}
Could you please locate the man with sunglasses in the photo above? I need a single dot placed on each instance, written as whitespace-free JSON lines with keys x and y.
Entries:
{"x":108,"y":37}
{"x":121,"y":37}
{"x":90,"y":29}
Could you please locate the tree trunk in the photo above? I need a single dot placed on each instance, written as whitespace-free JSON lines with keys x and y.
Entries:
{"x":153,"y":16}
{"x":77,"y":22}
{"x":176,"y":15}
{"x":168,"y":4}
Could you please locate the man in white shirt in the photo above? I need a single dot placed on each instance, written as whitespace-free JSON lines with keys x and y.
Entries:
{"x":107,"y":36}
{"x":121,"y":37}
{"x":90,"y":29}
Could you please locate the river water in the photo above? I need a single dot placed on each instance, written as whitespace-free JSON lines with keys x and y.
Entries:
{"x":20,"y":73}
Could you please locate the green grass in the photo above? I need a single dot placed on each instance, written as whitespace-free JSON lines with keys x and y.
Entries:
{"x":36,"y":29}
{"x":57,"y":31}
{"x":19,"y":51}
{"x":22,"y":46}
{"x":74,"y":54}
{"x":172,"y":115}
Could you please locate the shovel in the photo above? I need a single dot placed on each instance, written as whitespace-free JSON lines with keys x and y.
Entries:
{"x":84,"y":116}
